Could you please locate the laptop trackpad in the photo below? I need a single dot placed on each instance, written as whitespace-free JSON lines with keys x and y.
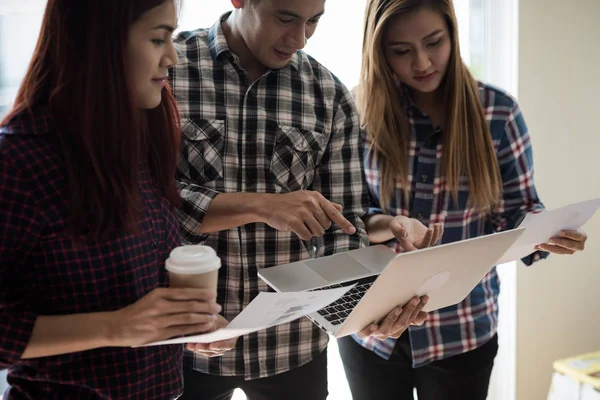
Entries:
{"x":337,"y":268}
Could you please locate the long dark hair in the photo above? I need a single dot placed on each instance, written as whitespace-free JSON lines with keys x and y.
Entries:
{"x":78,"y":72}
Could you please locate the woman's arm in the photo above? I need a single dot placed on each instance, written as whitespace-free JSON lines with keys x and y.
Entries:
{"x":161,"y":314}
{"x":378,"y":228}
{"x":53,"y":335}
{"x":409,"y":232}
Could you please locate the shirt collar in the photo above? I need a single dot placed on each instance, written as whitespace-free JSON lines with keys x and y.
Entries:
{"x":217,"y":43}
{"x":406,"y":99}
{"x":296,"y":60}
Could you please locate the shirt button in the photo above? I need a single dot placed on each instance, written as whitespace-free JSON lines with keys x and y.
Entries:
{"x":424,"y":178}
{"x":153,"y":245}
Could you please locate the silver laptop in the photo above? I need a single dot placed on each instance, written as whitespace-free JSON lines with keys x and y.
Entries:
{"x":384,"y":280}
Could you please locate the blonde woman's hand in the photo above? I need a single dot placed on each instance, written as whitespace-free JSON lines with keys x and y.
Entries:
{"x":413,"y":235}
{"x":567,"y":242}
{"x":398,"y":320}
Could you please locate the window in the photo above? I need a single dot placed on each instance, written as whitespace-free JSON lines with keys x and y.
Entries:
{"x":19,"y":27}
{"x":334,"y":44}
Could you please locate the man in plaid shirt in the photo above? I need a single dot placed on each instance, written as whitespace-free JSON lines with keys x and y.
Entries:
{"x":270,"y":173}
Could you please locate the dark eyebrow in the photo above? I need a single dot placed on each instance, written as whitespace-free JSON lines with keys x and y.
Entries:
{"x":425,"y":38}
{"x":167,"y":28}
{"x":292,"y":14}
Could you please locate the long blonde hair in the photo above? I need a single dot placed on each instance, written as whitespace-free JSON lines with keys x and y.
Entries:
{"x":467,"y":147}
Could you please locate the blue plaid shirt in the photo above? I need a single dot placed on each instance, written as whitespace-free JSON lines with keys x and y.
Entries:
{"x":471,"y":323}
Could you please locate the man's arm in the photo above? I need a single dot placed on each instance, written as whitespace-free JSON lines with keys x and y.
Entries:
{"x":230,"y":210}
{"x":306,"y":213}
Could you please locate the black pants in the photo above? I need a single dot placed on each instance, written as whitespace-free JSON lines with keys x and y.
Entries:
{"x":308,"y":381}
{"x":462,"y":377}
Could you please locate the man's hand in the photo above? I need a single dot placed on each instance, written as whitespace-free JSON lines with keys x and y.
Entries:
{"x":306,"y":213}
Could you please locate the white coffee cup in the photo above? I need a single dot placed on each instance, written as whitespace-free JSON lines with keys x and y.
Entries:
{"x":193,"y":266}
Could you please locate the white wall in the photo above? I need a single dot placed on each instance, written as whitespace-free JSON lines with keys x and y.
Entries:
{"x":559,"y":91}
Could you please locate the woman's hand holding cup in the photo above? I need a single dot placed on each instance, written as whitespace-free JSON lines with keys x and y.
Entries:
{"x":162,"y":314}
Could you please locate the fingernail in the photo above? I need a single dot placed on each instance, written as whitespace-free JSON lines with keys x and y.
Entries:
{"x":416,"y":301}
{"x":405,"y":235}
{"x":373,"y":328}
{"x":212,"y":316}
{"x":217,"y":308}
{"x":398,"y":312}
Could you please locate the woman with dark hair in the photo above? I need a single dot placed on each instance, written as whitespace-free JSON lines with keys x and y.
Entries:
{"x":87,"y":197}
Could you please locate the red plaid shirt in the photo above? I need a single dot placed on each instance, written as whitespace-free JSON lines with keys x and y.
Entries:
{"x":43,"y":273}
{"x":473,"y":322}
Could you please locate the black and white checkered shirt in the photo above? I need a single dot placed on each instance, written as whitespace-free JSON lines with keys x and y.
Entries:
{"x":294,"y":128}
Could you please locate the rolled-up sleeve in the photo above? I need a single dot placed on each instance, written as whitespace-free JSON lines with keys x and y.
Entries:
{"x":195,"y":202}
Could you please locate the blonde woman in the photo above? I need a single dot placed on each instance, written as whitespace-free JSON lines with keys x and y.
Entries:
{"x":441,"y":148}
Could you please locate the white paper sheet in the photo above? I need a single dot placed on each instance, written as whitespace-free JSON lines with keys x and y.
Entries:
{"x":266,"y":310}
{"x":541,"y":227}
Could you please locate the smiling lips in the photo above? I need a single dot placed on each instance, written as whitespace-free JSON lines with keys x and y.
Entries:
{"x":282,"y":55}
{"x":161,"y":81}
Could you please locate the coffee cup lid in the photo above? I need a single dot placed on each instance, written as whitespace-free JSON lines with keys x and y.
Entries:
{"x":193,"y":259}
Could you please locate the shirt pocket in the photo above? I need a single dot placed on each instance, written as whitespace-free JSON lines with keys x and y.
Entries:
{"x":296,"y":155}
{"x":203,"y":150}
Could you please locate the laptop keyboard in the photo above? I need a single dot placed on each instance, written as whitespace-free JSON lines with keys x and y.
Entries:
{"x":336,"y":313}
